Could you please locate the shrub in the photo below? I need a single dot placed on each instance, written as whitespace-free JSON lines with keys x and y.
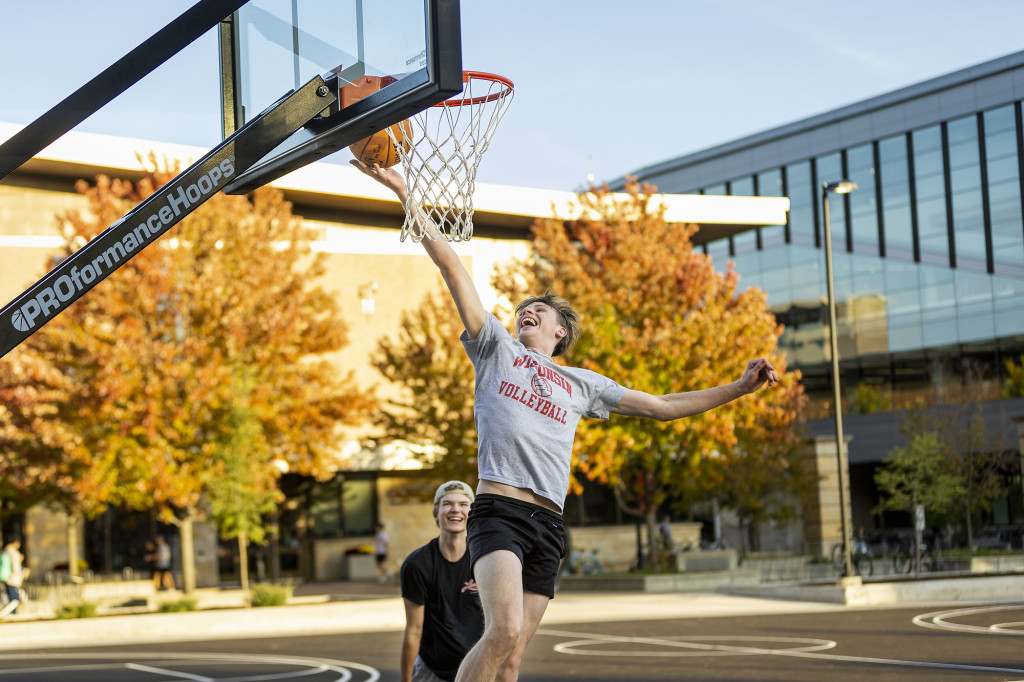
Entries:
{"x":177,"y":605}
{"x":77,"y":610}
{"x":265,"y":594}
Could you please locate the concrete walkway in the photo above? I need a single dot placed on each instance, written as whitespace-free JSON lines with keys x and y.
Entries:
{"x":326,"y":608}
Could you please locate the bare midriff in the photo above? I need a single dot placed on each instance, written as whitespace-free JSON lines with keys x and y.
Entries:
{"x":493,"y":488}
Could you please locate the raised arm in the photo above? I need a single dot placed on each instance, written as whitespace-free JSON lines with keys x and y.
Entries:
{"x":456,"y":278}
{"x":677,"y":405}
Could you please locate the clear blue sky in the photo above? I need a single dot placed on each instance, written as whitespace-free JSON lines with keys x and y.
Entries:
{"x":602,"y":87}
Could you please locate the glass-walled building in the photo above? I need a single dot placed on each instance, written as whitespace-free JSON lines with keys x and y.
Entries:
{"x":928,"y":251}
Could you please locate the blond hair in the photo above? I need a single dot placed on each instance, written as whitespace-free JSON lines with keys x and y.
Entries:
{"x":568,"y":318}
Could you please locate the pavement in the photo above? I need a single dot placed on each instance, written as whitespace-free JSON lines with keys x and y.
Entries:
{"x":349,"y":607}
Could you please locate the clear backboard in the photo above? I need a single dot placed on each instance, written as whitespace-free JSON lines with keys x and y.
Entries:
{"x":397,"y":57}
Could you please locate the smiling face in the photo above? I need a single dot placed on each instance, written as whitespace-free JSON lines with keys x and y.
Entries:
{"x":451,"y":513}
{"x":539,"y":327}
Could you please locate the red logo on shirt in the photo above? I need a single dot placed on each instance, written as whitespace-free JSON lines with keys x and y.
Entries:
{"x":470,"y":586}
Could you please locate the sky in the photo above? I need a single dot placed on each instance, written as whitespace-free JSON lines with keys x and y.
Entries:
{"x":602,"y":88}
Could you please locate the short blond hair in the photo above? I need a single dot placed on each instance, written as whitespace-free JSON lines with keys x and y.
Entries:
{"x":567,"y":317}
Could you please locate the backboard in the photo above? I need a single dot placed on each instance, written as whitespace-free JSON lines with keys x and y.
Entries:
{"x":409,"y":50}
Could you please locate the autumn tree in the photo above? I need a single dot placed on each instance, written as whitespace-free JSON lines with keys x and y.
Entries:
{"x":434,"y":408}
{"x":658,"y":317}
{"x":150,"y":354}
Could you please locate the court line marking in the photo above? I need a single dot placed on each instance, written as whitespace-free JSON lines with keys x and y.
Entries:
{"x":794,"y":653}
{"x":344,"y":668}
{"x":937,"y":620}
{"x":169,"y":673}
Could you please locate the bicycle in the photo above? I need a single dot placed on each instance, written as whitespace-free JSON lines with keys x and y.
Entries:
{"x":861,"y":560}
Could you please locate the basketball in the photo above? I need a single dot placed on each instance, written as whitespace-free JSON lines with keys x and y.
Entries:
{"x":378,"y":148}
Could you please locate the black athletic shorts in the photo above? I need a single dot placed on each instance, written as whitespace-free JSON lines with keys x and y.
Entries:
{"x":534,"y":534}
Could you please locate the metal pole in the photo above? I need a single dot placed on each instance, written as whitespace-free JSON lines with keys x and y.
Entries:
{"x":834,"y":344}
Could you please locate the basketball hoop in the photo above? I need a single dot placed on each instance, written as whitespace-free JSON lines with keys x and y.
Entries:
{"x":449,"y":139}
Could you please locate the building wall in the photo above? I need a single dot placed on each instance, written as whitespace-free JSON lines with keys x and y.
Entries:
{"x":928,"y":251}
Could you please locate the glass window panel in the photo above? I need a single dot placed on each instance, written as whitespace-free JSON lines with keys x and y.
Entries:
{"x":769,"y":183}
{"x":775,"y":282}
{"x":715,"y":190}
{"x":719,"y":252}
{"x":801,"y":202}
{"x":868,"y":277}
{"x":965,"y":185}
{"x":895,"y":180}
{"x":744,"y":242}
{"x":931,"y":194}
{"x":939,"y":332}
{"x":906,"y":337}
{"x":325,"y":509}
{"x":357,"y":500}
{"x":742,"y":187}
{"x":1004,"y":190}
{"x":860,"y":163}
{"x":830,"y":170}
{"x":975,"y":327}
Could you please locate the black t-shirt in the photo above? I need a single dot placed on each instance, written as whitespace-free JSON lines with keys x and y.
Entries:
{"x":453,"y":619}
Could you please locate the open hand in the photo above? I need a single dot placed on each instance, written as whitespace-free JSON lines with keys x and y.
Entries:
{"x":389,"y":177}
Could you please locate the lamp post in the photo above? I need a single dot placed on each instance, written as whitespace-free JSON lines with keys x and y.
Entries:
{"x":841,"y":187}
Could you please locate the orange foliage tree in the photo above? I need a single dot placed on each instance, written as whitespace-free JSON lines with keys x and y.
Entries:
{"x":149,"y":359}
{"x":657,"y":317}
{"x":435,"y":409}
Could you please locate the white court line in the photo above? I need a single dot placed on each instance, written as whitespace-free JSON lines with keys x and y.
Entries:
{"x":169,"y":673}
{"x":344,"y":668}
{"x":745,"y":650}
{"x":937,"y":620}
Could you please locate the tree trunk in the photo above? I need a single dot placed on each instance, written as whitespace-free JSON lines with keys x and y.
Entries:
{"x":188,"y":553}
{"x":653,"y":540}
{"x":72,"y":539}
{"x":243,"y":561}
{"x":969,"y":526}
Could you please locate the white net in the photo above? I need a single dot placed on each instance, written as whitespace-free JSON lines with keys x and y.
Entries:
{"x":440,"y":166}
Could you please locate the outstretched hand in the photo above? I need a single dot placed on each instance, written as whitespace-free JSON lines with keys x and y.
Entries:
{"x":389,"y":177}
{"x":758,"y":373}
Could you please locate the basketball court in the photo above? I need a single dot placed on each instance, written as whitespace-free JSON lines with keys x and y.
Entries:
{"x":953,"y":642}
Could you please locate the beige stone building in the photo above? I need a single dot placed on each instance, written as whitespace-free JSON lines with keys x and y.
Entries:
{"x":376,"y":278}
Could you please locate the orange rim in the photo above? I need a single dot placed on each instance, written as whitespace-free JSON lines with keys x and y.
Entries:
{"x":482,"y":99}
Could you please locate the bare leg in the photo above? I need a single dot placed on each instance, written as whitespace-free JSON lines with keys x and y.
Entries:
{"x":499,"y":576}
{"x":534,"y":606}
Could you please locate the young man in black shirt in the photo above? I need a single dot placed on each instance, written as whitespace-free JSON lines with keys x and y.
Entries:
{"x":443,"y":616}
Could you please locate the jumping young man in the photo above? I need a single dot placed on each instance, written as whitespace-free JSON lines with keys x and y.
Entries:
{"x":527,"y":409}
{"x":443,"y":616}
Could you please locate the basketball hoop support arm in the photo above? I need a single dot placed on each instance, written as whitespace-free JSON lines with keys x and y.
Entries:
{"x":143,"y":225}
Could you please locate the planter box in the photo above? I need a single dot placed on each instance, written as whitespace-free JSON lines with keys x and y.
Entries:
{"x":360,"y":567}
{"x":711,"y":560}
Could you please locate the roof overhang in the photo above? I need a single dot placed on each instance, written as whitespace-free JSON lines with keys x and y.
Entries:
{"x":342,"y":187}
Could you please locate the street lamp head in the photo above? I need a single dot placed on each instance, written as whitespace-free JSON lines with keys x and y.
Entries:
{"x":841,"y":187}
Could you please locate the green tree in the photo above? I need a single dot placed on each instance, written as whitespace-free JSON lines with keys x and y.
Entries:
{"x":150,"y":354}
{"x":434,"y":408}
{"x":657,"y":317}
{"x":1013,"y":384}
{"x":242,"y":488}
{"x":916,"y":474}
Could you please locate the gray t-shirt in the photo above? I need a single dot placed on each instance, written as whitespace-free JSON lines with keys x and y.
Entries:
{"x":527,"y":409}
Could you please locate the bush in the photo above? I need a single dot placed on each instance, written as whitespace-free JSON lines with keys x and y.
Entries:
{"x":265,"y":594}
{"x":178,"y":605}
{"x":77,"y":610}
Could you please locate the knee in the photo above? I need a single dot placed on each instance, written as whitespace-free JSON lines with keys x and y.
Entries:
{"x":503,"y":636}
